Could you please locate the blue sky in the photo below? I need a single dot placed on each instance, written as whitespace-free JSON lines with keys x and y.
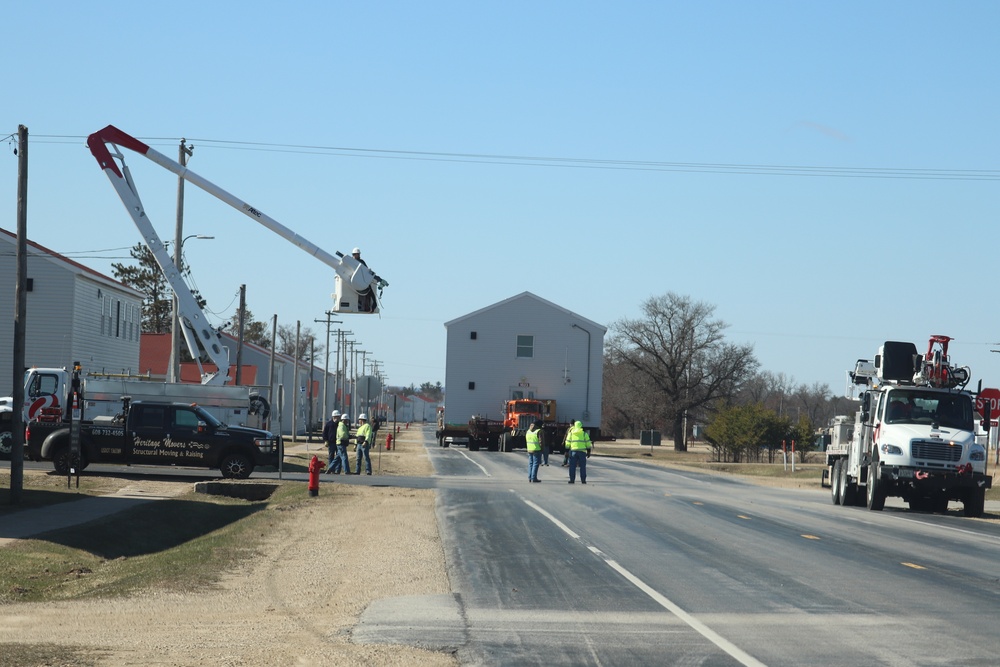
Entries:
{"x":678,"y":138}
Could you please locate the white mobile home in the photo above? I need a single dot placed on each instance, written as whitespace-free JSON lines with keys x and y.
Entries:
{"x":73,"y":313}
{"x":523,"y":347}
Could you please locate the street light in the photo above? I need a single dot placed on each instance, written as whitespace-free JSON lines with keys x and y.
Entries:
{"x":175,"y":325}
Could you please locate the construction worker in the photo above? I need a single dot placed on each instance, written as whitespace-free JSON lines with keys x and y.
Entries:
{"x":534,"y":445}
{"x":343,"y":438}
{"x":364,"y":439}
{"x":579,"y":451}
{"x":333,"y":462}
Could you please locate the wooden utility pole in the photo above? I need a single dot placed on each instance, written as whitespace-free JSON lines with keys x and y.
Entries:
{"x":239,"y":338}
{"x":20,"y":319}
{"x":174,"y":372}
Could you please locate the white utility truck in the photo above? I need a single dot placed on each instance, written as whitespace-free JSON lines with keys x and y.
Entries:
{"x":914,"y":434}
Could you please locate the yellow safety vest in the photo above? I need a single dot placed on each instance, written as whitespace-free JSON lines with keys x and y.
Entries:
{"x":578,"y":439}
{"x":365,"y":431}
{"x":532,"y":441}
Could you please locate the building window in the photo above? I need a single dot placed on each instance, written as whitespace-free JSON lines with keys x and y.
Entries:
{"x":525,"y":347}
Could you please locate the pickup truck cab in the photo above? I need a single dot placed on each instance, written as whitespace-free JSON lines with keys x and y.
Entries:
{"x":153,"y":433}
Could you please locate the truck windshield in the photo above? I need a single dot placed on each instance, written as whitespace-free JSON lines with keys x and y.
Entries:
{"x":921,"y":407}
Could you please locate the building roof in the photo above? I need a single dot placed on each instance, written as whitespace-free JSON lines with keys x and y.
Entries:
{"x":526,"y":295}
{"x":75,"y":267}
{"x":154,"y":358}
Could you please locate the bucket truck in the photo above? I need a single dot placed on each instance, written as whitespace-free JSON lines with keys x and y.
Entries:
{"x":355,"y":283}
{"x":914,"y":436}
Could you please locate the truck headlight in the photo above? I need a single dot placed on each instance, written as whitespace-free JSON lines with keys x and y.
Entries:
{"x":886,"y":448}
{"x":266,"y":446}
{"x":978,"y":454}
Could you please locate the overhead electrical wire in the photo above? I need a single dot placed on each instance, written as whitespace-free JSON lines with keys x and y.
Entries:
{"x":580,"y":163}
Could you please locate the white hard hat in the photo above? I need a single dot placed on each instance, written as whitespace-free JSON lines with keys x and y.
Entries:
{"x":356,"y":251}
{"x":345,"y":417}
{"x":336,"y":413}
{"x":362,"y":416}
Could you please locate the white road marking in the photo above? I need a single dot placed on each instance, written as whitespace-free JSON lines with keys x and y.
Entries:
{"x":474,"y":462}
{"x":721,"y":642}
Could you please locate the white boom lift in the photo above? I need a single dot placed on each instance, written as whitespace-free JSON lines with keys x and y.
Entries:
{"x":355,"y":283}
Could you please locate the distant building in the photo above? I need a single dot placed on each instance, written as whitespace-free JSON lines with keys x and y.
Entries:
{"x":523,"y":347}
{"x":73,"y":313}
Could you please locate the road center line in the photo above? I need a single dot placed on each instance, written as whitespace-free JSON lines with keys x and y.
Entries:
{"x":711,"y":635}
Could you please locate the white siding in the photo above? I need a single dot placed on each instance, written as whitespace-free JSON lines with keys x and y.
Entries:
{"x":560,"y":352}
{"x":61,"y":324}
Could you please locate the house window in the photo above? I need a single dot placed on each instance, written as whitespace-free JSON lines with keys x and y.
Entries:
{"x":525,"y":347}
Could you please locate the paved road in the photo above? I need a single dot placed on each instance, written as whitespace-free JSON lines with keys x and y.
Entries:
{"x":664,"y":567}
{"x":661,"y":567}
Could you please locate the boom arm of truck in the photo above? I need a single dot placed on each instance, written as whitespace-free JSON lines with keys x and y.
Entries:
{"x":356,"y":283}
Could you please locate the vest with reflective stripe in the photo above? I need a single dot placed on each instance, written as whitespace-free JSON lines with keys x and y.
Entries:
{"x":532,"y":441}
{"x":578,"y":439}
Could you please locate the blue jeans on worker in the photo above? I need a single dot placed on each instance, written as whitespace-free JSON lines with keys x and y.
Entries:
{"x":545,"y":455}
{"x":578,"y":457}
{"x":534,"y":458}
{"x":343,"y":460}
{"x":333,"y":461}
{"x":363,"y":451}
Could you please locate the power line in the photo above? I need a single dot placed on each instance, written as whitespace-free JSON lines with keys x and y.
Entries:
{"x":581,"y":163}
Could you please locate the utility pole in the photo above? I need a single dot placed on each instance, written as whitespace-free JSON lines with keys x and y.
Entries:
{"x":295,"y":382}
{"x":174,"y":374}
{"x":20,"y":319}
{"x":326,"y":365}
{"x":239,"y":337}
{"x":309,"y":393}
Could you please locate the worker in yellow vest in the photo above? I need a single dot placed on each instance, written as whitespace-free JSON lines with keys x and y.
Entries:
{"x":532,"y":440}
{"x":363,"y":437}
{"x":578,"y":442}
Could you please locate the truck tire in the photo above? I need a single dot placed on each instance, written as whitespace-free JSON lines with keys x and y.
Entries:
{"x":62,"y":461}
{"x":504,"y":440}
{"x":6,"y":444}
{"x":835,"y":481}
{"x":875,"y":490}
{"x":848,"y":491}
{"x":236,"y":466}
{"x":473,"y":445}
{"x":974,"y":503}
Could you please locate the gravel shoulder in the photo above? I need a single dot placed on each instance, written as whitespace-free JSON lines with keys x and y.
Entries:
{"x":294,"y":604}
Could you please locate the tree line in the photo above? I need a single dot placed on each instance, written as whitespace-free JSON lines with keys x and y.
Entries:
{"x":672,"y":368}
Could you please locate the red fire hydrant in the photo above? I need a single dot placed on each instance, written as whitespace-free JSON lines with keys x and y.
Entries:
{"x":388,"y":442}
{"x":315,"y":467}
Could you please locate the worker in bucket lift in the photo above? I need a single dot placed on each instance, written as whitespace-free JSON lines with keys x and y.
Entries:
{"x":366,"y":298}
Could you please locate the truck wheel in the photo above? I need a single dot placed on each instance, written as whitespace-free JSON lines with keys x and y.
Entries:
{"x":875,"y":491}
{"x":835,"y":481}
{"x":63,"y":461}
{"x":974,"y":503}
{"x":236,"y":466}
{"x":6,"y":444}
{"x":848,"y":491}
{"x":473,"y":445}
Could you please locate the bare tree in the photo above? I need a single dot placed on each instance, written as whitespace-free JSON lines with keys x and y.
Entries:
{"x":680,"y":352}
{"x":286,"y":342}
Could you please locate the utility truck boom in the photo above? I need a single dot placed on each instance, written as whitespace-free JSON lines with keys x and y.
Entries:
{"x":355,"y":282}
